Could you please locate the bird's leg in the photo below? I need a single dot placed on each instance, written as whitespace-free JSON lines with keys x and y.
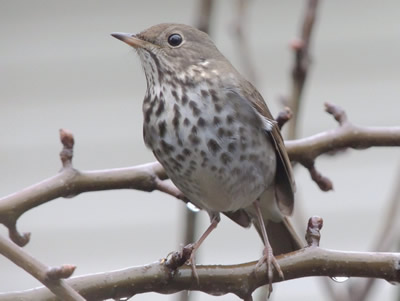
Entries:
{"x":268,"y":256}
{"x":214,"y":222}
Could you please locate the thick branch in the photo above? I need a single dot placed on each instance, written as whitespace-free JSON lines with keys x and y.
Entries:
{"x":52,"y":278}
{"x":240,"y":279}
{"x":70,"y":182}
{"x":347,"y":135}
{"x":148,"y":177}
{"x":307,"y":149}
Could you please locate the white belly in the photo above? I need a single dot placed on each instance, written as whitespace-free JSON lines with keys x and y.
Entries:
{"x":219,"y":163}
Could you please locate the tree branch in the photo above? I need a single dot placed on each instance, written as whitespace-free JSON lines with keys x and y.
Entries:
{"x":302,"y":61}
{"x":240,"y":279}
{"x":238,"y":29}
{"x":347,"y":135}
{"x":70,"y":182}
{"x":52,"y":278}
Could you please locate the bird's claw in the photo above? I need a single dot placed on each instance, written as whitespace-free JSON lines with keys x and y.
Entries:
{"x":191,"y":261}
{"x":269,"y":259}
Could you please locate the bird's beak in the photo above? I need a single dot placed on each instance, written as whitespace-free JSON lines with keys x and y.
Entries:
{"x":130,"y":39}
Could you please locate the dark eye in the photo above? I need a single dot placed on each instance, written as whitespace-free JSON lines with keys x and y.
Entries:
{"x":175,"y":39}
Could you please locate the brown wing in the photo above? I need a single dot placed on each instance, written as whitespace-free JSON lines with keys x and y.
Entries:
{"x":284,"y":180}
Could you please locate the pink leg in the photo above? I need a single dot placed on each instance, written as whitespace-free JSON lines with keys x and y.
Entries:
{"x":268,"y":256}
{"x":196,"y":245}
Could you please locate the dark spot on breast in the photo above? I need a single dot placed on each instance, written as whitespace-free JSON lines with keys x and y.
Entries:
{"x":201,"y":122}
{"x":232,"y":147}
{"x":160,"y":107}
{"x":177,"y":116}
{"x":229,"y":119}
{"x":204,"y":93}
{"x":213,"y":168}
{"x":218,"y":108}
{"x":225,"y":158}
{"x":148,"y":113}
{"x":216,"y":121}
{"x":146,"y":98}
{"x":186,"y":122}
{"x":196,"y":111}
{"x":178,"y":166}
{"x":184,"y":99}
{"x":162,"y":128}
{"x":166,"y":147}
{"x":213,"y":93}
{"x":214,"y":96}
{"x":203,"y":154}
{"x":180,"y":158}
{"x":187,"y":152}
{"x":172,"y":84}
{"x":242,"y":157}
{"x":221,"y":132}
{"x":174,"y":94}
{"x":213,"y":146}
{"x":205,"y":162}
{"x":194,"y":139}
{"x":166,"y":165}
{"x":194,"y":130}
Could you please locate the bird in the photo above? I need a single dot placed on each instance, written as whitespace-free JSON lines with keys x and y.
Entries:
{"x":214,"y":135}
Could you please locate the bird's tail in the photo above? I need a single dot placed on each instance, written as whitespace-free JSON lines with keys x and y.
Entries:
{"x":282,"y":236}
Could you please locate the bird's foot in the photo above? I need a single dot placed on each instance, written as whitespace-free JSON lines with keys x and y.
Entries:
{"x":177,"y":259}
{"x":269,"y":259}
{"x":191,"y":261}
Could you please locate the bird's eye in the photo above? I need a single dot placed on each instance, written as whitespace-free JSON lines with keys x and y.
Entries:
{"x":175,"y":39}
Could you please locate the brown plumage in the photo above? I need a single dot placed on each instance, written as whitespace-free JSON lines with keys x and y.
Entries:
{"x":215,"y":136}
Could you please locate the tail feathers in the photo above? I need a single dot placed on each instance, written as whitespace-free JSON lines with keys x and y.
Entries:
{"x":282,"y":236}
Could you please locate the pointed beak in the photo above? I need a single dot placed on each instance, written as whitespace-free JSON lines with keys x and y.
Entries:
{"x":130,"y":39}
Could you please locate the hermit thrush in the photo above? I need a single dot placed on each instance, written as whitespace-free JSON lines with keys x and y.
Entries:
{"x":215,"y":136}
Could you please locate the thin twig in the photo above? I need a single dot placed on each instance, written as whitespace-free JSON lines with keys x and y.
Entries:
{"x":301,"y":65}
{"x":242,"y":43}
{"x":204,"y":16}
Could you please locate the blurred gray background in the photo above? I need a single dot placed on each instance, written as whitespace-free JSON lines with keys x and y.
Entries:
{"x":59,"y":68}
